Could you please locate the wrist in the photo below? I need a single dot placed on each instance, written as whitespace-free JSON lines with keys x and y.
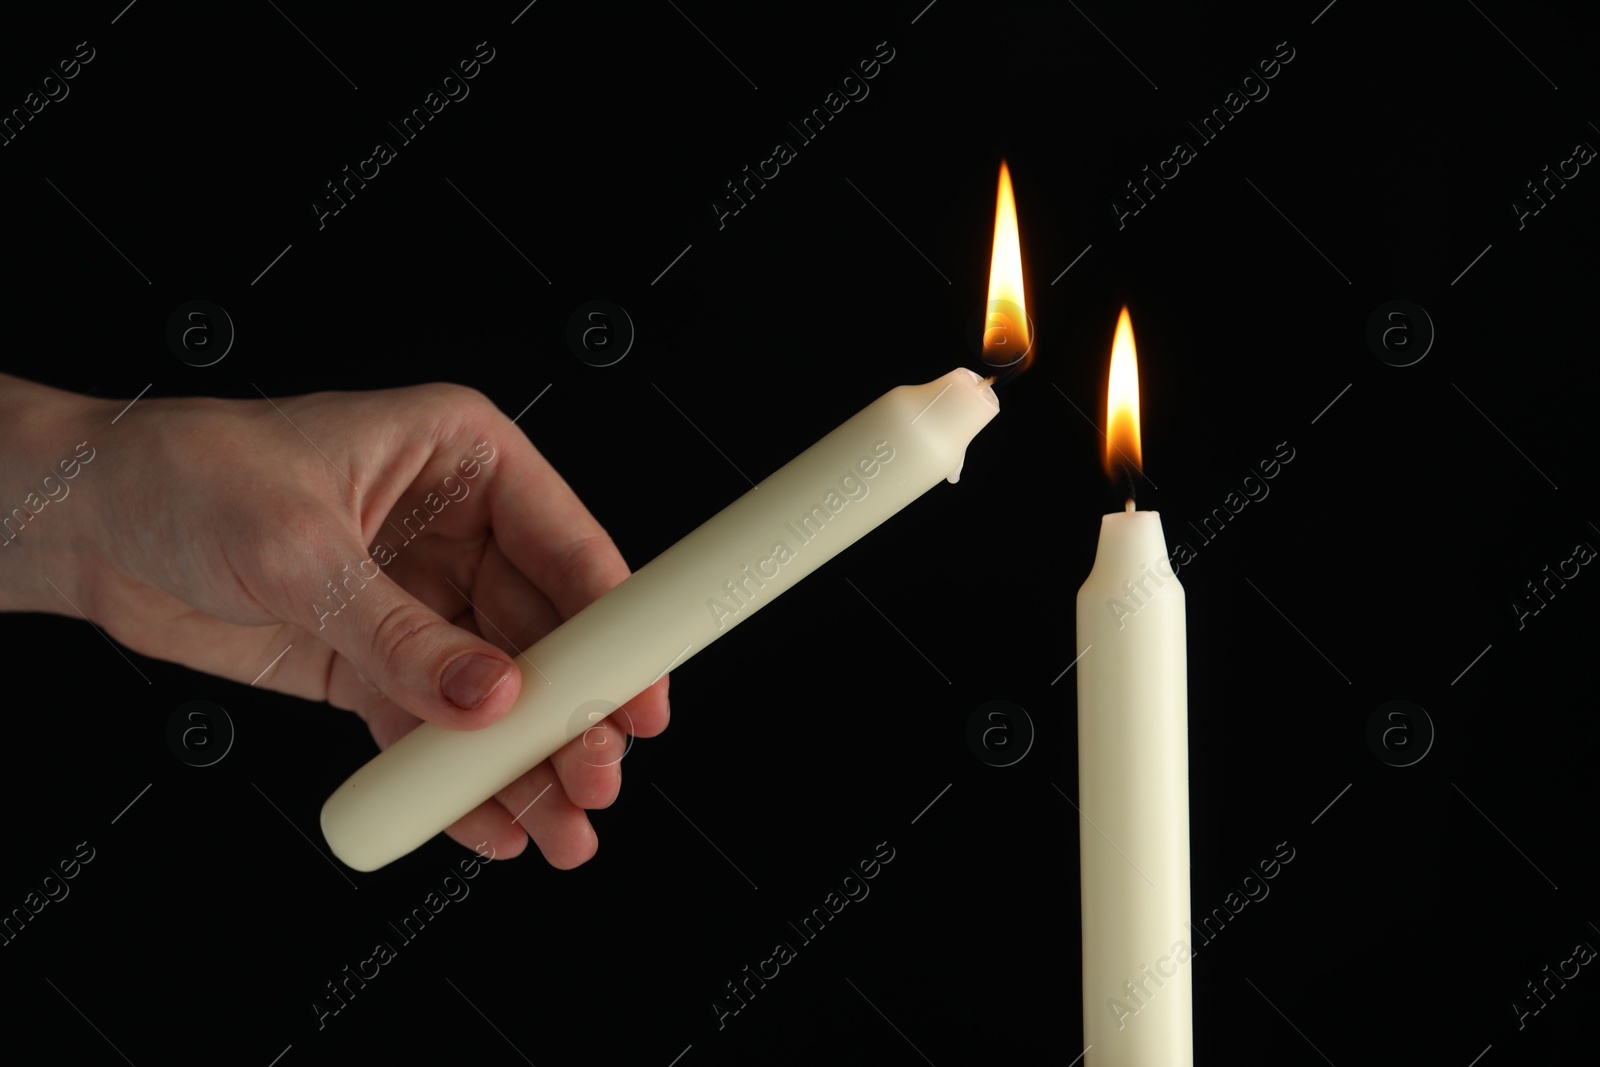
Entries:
{"x":49,"y":442}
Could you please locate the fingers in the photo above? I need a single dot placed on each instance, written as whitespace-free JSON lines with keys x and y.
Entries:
{"x":534,"y":806}
{"x":437,"y":671}
{"x":509,"y":610}
{"x":547,"y":804}
{"x":590,"y":765}
{"x":537,"y":804}
{"x":490,"y":832}
{"x":540,"y":806}
{"x":548,"y":559}
{"x":513,"y":614}
{"x":545,"y":530}
{"x":647,"y":714}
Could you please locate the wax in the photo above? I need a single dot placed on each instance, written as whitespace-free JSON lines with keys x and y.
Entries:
{"x":798,"y":518}
{"x":1133,"y":795}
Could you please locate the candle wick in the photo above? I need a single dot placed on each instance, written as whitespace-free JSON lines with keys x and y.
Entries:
{"x":1129,"y":506}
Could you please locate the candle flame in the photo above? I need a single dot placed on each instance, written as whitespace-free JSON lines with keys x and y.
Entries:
{"x":1007,"y":334}
{"x":1122,"y":402}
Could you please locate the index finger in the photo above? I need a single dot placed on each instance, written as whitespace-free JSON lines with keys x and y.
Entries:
{"x":550,"y":536}
{"x":546,"y":531}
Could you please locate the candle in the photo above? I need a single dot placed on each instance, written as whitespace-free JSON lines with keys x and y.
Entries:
{"x":743,"y":558}
{"x":1133,"y":772}
{"x":797,"y":519}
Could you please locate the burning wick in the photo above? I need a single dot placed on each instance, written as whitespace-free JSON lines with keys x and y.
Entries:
{"x":1124,"y":483}
{"x":1007,"y":333}
{"x":1124,"y":456}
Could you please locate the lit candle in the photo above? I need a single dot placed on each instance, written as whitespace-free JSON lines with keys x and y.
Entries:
{"x":797,"y":519}
{"x":1133,"y":771}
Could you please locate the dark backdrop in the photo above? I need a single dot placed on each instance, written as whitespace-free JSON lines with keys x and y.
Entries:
{"x":1382,"y":165}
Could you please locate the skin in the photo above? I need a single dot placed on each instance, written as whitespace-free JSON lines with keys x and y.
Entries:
{"x":204,"y":532}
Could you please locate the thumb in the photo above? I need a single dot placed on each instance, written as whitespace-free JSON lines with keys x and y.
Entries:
{"x":432,"y":668}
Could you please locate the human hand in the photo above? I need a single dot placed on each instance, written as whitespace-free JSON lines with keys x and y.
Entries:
{"x":403,"y":544}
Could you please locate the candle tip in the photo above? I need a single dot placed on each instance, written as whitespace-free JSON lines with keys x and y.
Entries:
{"x":997,"y":375}
{"x":1130,"y":506}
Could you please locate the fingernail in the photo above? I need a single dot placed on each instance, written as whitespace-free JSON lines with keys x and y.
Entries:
{"x":469,"y":680}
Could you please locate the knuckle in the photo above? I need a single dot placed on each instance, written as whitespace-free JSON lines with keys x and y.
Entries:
{"x":294,"y":556}
{"x":590,"y":551}
{"x":455,"y":398}
{"x":401,"y":635}
{"x":466,"y":393}
{"x":300,"y":527}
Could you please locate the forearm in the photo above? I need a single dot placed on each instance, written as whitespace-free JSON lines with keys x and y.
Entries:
{"x":49,"y":440}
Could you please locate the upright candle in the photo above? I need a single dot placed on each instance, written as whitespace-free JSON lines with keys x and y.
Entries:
{"x":1133,"y":773}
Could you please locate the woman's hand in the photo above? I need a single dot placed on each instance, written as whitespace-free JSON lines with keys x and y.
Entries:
{"x":404,"y":545}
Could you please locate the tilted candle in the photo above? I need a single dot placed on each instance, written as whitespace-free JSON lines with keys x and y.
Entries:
{"x":797,"y":519}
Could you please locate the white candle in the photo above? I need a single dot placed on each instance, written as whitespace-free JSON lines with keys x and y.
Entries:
{"x":797,"y":519}
{"x":1133,"y":775}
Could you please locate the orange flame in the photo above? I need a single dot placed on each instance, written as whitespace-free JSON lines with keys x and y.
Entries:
{"x":1007,"y":336}
{"x":1122,"y":401}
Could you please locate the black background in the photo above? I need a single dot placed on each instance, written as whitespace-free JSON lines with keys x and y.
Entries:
{"x":1382,"y":566}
